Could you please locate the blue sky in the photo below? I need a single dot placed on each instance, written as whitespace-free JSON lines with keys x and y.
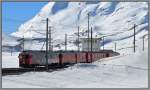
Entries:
{"x":16,"y":13}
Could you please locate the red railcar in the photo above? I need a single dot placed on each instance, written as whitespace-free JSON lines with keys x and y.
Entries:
{"x":36,"y":58}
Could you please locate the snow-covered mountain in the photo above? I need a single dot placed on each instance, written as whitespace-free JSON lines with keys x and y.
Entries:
{"x":10,"y":43}
{"x":9,"y":40}
{"x":106,"y":18}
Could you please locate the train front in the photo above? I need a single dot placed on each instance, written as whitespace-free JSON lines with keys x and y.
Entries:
{"x":25,"y":59}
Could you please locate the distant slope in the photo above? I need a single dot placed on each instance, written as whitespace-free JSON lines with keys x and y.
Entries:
{"x":8,"y":40}
{"x":105,"y":17}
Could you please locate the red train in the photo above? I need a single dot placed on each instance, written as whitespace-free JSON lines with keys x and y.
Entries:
{"x":36,"y":58}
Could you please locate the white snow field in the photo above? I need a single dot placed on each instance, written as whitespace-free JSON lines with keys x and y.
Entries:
{"x":9,"y":61}
{"x":123,"y":71}
{"x":129,"y":71}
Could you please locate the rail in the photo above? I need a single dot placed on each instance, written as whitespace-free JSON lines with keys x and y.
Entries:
{"x":18,"y":71}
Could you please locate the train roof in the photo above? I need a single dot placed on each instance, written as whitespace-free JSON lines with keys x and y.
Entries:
{"x":101,"y":51}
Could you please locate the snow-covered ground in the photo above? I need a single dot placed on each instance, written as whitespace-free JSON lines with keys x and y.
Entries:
{"x":10,"y":61}
{"x":124,"y":71}
{"x":128,"y":71}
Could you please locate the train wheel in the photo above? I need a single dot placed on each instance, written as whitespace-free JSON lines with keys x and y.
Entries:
{"x":23,"y":66}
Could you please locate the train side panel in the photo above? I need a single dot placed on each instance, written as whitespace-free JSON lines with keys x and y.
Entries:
{"x":38,"y":57}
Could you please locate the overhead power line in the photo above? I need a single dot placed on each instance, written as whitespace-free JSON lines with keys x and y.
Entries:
{"x":113,"y":34}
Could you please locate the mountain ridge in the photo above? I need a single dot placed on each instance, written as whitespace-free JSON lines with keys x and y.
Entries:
{"x":105,"y":18}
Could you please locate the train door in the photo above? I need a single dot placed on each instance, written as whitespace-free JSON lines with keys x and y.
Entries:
{"x":107,"y":54}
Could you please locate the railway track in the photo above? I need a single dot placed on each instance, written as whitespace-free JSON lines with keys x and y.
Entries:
{"x":18,"y":71}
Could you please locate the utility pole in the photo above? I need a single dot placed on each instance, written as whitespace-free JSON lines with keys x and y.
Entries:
{"x":78,"y":39}
{"x":134,"y":39}
{"x":103,"y":42}
{"x":47,"y":44}
{"x":143,"y":42}
{"x":88,"y":30}
{"x":65,"y":42}
{"x":23,"y":44}
{"x":50,"y":45}
{"x":115,"y":46}
{"x":91,"y":45}
{"x":11,"y":50}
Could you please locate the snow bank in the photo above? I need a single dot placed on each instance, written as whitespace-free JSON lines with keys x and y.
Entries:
{"x":128,"y":71}
{"x":9,"y":61}
{"x":134,"y":60}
